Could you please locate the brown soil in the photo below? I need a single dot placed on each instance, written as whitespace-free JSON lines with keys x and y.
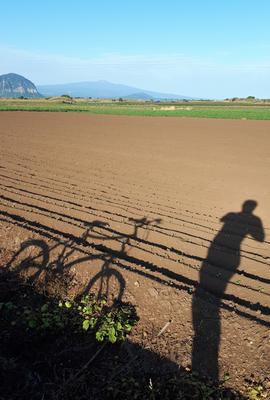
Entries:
{"x":152,"y":211}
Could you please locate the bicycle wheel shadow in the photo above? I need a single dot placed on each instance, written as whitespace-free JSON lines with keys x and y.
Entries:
{"x":110,"y":281}
{"x":31,"y":259}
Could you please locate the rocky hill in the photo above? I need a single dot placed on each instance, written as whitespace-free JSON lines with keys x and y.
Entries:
{"x":14,"y":85}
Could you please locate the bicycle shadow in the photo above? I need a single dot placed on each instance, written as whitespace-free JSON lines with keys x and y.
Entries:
{"x":35,"y":260}
{"x":224,"y":252}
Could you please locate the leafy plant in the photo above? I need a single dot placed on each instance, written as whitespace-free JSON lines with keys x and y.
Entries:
{"x":257,"y":393}
{"x":116,"y":324}
{"x":110,"y":324}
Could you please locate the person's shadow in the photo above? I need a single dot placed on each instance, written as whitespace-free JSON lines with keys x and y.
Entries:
{"x":217,"y":269}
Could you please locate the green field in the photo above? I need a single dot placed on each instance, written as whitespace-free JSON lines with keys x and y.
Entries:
{"x":196,"y":109}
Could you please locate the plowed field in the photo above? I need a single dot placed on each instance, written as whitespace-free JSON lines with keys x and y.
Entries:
{"x":172,"y":215}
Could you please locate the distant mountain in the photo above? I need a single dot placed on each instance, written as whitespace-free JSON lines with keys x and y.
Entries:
{"x":104,"y":89}
{"x":138,"y":96}
{"x":14,"y":85}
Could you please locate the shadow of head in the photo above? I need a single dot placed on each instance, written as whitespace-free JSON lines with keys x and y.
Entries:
{"x":249,"y":206}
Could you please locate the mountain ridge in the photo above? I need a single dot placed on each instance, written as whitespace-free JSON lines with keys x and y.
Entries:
{"x":104,"y":89}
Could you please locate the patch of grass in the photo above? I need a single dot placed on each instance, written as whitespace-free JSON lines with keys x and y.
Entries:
{"x":192,"y":109}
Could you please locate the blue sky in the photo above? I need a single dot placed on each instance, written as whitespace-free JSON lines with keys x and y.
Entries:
{"x":202,"y":48}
